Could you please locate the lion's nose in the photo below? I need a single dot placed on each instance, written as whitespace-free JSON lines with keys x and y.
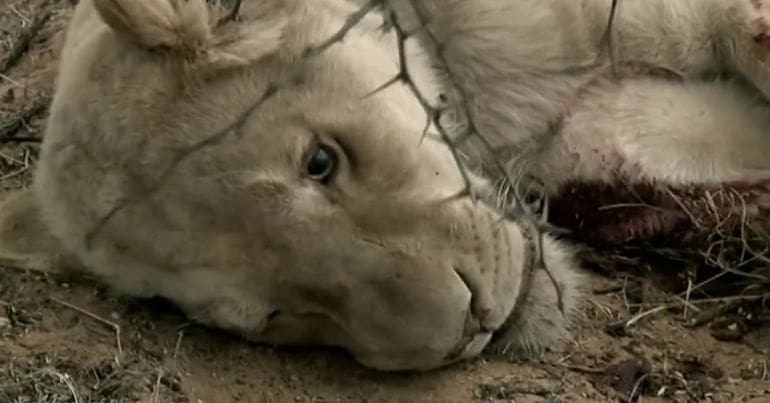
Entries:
{"x":482,"y":317}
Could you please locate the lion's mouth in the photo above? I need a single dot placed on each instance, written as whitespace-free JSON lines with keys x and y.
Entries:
{"x":479,"y":327}
{"x":475,"y":335}
{"x":499,"y":289}
{"x":480,"y":310}
{"x":470,"y":346}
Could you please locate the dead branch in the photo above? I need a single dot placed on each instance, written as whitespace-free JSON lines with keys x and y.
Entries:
{"x":9,"y":127}
{"x":610,"y":46}
{"x":532,"y":225}
{"x":115,"y":327}
{"x":25,"y":38}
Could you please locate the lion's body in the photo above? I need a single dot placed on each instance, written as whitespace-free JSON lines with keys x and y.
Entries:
{"x":175,"y":154}
{"x":674,"y":100}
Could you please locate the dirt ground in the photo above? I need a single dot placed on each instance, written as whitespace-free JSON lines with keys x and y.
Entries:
{"x":65,"y":340}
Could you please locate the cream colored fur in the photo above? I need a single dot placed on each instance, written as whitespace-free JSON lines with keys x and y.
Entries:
{"x":145,"y":180}
{"x":702,"y":129}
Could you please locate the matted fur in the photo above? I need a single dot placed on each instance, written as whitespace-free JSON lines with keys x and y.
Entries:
{"x":145,"y":179}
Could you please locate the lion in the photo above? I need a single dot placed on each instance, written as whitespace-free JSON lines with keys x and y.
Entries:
{"x":254,"y":166}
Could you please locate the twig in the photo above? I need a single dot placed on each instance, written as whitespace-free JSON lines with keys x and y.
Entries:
{"x":684,"y":208}
{"x":178,"y":344}
{"x":13,"y":124}
{"x":341,"y":33}
{"x":11,"y":80}
{"x":638,"y":385}
{"x":178,"y":159}
{"x":638,"y":317}
{"x":24,"y":19}
{"x":233,"y":14}
{"x":20,"y":139}
{"x":14,"y":173}
{"x":65,"y":379}
{"x":11,"y":160}
{"x":98,"y":318}
{"x":531,"y":225}
{"x":156,"y":388}
{"x":608,"y":39}
{"x":25,"y":38}
{"x":687,"y":299}
{"x":585,"y":370}
{"x":706,"y":300}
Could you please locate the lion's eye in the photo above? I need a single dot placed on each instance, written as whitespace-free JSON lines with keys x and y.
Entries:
{"x":321,"y":164}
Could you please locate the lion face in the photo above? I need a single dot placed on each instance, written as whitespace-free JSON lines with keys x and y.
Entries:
{"x":316,"y":217}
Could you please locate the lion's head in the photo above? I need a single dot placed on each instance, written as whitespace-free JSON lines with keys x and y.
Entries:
{"x":212,"y":162}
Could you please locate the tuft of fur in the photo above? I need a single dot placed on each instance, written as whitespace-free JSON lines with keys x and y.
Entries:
{"x":540,"y":324}
{"x":192,"y":30}
{"x":172,"y":24}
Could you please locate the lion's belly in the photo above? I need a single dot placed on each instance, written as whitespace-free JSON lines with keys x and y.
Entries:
{"x":615,"y":214}
{"x":655,"y":159}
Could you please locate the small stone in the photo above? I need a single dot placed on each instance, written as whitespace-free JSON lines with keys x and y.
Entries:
{"x":5,"y":323}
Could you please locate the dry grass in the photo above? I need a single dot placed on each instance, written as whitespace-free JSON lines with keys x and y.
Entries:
{"x":718,"y":274}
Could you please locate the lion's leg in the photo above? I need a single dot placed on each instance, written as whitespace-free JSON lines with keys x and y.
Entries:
{"x":525,"y":39}
{"x":25,"y":243}
{"x":672,"y":132}
{"x":746,"y":41}
{"x":680,"y":35}
{"x":691,"y":36}
{"x":657,"y":151}
{"x":520,"y":60}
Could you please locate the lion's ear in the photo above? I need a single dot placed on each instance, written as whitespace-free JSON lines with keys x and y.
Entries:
{"x":159,"y":23}
{"x":191,"y":29}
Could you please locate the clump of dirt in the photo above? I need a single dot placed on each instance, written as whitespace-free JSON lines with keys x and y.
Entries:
{"x":68,"y":340}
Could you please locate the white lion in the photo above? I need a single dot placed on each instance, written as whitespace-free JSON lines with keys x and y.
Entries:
{"x":260,"y":180}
